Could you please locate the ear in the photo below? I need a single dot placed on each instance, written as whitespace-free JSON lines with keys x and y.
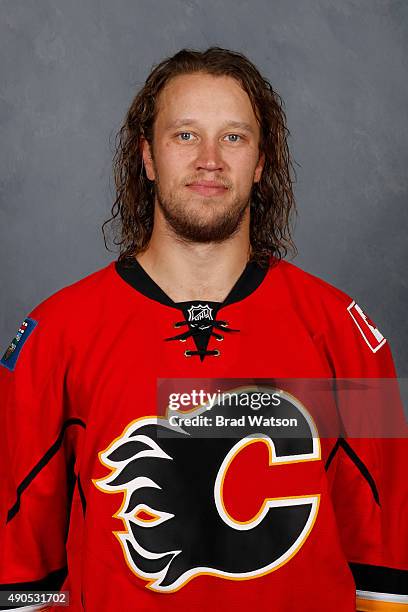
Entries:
{"x":147,"y":159}
{"x":259,"y":168}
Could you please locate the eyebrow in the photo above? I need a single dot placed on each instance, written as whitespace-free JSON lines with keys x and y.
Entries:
{"x":233,"y":124}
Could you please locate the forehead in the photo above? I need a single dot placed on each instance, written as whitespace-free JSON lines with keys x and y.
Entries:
{"x":204,"y":97}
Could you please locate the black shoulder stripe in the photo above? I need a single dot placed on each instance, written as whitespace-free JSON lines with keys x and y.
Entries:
{"x":52,"y":582}
{"x":332,"y":454}
{"x":82,"y":495}
{"x":71,"y":482}
{"x":379,"y":579}
{"x":341,"y":443}
{"x":362,"y":467}
{"x":41,"y":464}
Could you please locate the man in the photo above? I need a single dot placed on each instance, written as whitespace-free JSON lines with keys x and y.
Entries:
{"x":102,"y":498}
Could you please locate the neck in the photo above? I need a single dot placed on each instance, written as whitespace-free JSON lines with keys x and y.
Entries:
{"x":192,"y":271}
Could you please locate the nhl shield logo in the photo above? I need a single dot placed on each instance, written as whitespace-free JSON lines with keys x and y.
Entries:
{"x":199,"y":313}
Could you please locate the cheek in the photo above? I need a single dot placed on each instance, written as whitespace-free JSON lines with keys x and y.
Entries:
{"x":172,"y":161}
{"x":170,"y":172}
{"x":244,"y":169}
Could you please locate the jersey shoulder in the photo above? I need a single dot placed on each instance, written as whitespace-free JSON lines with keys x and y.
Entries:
{"x":51,"y":326}
{"x":313,"y":287}
{"x":328,"y":308}
{"x":75,"y":298}
{"x":314,"y":299}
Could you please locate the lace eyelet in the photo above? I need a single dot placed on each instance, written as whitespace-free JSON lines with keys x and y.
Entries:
{"x":218,"y":353}
{"x":176,"y":325}
{"x":224,"y":324}
{"x":187,"y":354}
{"x":183,"y":339}
{"x":220,"y":339}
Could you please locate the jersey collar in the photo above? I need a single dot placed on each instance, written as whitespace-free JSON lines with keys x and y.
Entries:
{"x":136,"y":276}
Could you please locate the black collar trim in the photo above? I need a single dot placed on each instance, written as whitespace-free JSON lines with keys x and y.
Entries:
{"x":136,"y":276}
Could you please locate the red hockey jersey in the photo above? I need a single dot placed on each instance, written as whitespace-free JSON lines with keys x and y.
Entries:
{"x":96,"y":501}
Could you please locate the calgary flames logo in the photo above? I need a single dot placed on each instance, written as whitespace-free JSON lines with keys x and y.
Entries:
{"x":179,"y":512}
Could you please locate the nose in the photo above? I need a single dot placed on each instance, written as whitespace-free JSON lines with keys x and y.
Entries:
{"x":209,"y":156}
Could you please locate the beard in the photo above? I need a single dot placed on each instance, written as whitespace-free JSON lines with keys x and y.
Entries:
{"x":212,"y":221}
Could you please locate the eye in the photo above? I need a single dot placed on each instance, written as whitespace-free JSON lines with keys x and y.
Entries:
{"x":184,"y":136}
{"x":234,"y":137}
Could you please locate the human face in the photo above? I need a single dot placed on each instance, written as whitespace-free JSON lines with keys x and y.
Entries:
{"x":205,"y":156}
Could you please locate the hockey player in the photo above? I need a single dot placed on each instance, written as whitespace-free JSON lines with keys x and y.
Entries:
{"x":99,"y":498}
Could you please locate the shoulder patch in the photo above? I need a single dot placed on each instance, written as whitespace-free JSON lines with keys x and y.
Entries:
{"x":13,"y":350}
{"x":372,"y":336}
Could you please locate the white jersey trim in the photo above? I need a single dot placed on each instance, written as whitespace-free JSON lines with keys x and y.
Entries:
{"x":390,"y":597}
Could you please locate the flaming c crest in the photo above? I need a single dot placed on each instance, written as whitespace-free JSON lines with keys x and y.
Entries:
{"x":176,"y":523}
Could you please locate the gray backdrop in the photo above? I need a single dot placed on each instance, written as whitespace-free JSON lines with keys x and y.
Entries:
{"x":70,"y":69}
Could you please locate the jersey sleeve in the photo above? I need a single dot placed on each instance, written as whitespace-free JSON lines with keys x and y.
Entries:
{"x":37,"y":456}
{"x":367,"y":473}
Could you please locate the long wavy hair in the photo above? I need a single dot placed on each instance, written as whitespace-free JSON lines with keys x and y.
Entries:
{"x":272,"y":203}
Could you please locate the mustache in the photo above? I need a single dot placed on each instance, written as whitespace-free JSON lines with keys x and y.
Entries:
{"x":216,"y":179}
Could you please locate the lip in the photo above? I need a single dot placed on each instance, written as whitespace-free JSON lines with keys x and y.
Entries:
{"x":208,"y":188}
